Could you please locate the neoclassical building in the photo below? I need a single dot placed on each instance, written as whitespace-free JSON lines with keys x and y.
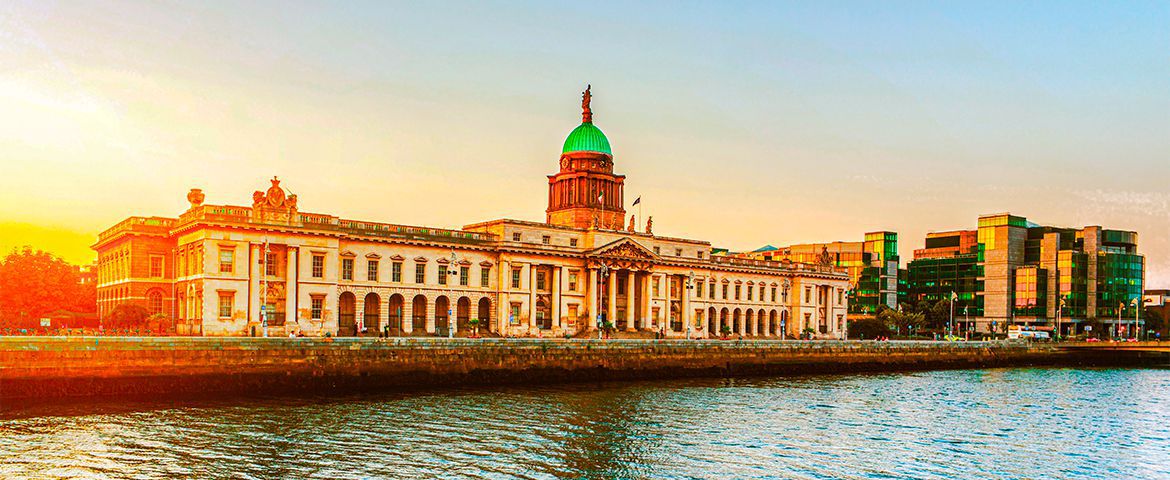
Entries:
{"x":241,"y":270}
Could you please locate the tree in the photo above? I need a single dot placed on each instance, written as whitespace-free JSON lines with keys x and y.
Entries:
{"x":34,"y":282}
{"x":127,"y":315}
{"x":869,"y":328}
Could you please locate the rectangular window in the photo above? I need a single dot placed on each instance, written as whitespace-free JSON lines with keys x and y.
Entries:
{"x":711,"y":290}
{"x":572,"y":280}
{"x":227,"y":260}
{"x":773,"y":294}
{"x":318,"y":266}
{"x":516,"y":236}
{"x":749,"y":292}
{"x":545,"y":239}
{"x":678,"y":252}
{"x":840,"y":296}
{"x":725,"y":291}
{"x":372,"y":270}
{"x":657,"y":286}
{"x":156,"y":266}
{"x":442,"y":274}
{"x":270,"y":264}
{"x":699,"y":289}
{"x":225,"y":304}
{"x":540,"y":284}
{"x":738,"y":290}
{"x":514,"y":315}
{"x":657,"y":250}
{"x":317,"y":305}
{"x":485,"y":275}
{"x":396,"y":272}
{"x":572,"y":242}
{"x":464,"y":273}
{"x":516,"y":277}
{"x":420,"y":273}
{"x":761,"y":293}
{"x":347,"y":269}
{"x":807,"y":294}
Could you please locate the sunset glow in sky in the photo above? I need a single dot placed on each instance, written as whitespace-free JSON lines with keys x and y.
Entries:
{"x":744,"y":124}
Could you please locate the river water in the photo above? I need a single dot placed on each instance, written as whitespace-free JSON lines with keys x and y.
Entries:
{"x":995,"y":423}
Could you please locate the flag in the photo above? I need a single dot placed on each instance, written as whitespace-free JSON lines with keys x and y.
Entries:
{"x":600,"y":195}
{"x":637,"y":201}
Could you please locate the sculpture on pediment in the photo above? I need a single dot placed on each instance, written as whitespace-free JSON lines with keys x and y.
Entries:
{"x":650,"y":224}
{"x":274,"y":197}
{"x":824,"y":259}
{"x":274,"y":205}
{"x":631,"y":227}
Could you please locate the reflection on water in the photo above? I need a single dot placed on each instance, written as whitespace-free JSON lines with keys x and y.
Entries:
{"x":998,"y":423}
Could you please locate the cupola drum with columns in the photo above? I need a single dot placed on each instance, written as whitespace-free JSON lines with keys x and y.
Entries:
{"x":585,"y":193}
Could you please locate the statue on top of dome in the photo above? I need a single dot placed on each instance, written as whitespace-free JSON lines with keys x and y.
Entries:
{"x":586,"y":112}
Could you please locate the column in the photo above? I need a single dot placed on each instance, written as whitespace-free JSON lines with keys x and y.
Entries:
{"x":611,"y":291}
{"x":531,"y":296}
{"x":290,"y":290}
{"x":591,"y":301}
{"x":504,"y":303}
{"x":631,"y":311}
{"x":646,"y":279}
{"x":753,"y":319}
{"x":556,"y":297}
{"x":254,"y":286}
{"x":408,"y":313}
{"x":706,"y":324}
{"x":687,"y":315}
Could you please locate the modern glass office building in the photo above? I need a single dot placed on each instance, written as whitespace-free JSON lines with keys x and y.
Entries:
{"x":1010,"y":270}
{"x":873,"y":266}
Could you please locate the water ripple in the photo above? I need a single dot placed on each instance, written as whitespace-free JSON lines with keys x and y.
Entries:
{"x":998,"y":423}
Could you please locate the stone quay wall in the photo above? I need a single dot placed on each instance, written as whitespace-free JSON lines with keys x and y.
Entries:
{"x":50,"y":367}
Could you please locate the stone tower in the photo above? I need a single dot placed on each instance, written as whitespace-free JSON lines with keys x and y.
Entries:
{"x":585,"y":192}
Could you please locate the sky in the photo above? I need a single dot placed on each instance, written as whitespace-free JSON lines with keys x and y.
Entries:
{"x":740,"y":123}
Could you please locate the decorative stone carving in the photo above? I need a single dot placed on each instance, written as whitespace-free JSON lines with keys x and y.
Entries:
{"x":631,"y":226}
{"x":195,"y":196}
{"x":650,"y":224}
{"x":274,"y":206}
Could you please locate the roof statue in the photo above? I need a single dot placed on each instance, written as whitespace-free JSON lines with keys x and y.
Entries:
{"x":824,"y":259}
{"x":631,"y":227}
{"x":586,"y":113}
{"x":650,"y":224}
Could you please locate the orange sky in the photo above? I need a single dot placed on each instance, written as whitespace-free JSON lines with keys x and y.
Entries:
{"x":780,"y":123}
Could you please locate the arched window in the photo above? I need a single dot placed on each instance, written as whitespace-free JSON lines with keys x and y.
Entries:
{"x":154,"y":301}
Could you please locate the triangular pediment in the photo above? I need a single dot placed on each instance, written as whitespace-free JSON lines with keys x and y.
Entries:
{"x":624,"y":248}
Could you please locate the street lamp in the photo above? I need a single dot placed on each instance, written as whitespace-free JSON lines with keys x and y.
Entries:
{"x":1137,"y":303}
{"x":1059,"y":312}
{"x":602,"y":273}
{"x":784,"y":320}
{"x":690,"y":285}
{"x":452,"y":273}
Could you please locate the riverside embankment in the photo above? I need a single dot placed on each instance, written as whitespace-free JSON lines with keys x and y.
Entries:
{"x":46,"y":367}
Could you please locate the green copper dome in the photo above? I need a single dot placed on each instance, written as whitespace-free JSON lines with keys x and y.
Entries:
{"x":587,"y":138}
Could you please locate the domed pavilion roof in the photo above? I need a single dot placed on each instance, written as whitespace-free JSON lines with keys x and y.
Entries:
{"x":587,"y":138}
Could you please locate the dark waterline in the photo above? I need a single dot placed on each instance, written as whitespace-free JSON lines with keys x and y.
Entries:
{"x":997,"y":423}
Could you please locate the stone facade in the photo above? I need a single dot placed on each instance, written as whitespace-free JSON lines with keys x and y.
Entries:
{"x":223,"y":265}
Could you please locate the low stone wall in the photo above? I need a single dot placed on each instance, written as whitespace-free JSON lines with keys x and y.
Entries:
{"x":80,"y":366}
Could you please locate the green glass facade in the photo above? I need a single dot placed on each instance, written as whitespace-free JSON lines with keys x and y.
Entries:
{"x":933,"y":279}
